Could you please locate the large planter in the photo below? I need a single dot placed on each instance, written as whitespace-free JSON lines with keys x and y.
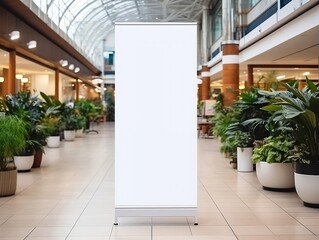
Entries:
{"x":37,"y":159}
{"x":8,"y":182}
{"x":276,"y":176}
{"x":69,"y":135}
{"x":244,"y":163}
{"x":53,"y":141}
{"x":23,"y":163}
{"x":307,"y":183}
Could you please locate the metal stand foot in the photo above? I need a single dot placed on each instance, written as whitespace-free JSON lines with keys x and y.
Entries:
{"x":195,"y":221}
{"x":116,"y":221}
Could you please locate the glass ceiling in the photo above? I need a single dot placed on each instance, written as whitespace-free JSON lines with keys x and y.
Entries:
{"x":86,"y":23}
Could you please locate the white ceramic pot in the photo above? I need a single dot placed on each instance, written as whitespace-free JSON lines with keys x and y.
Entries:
{"x":307,"y":182}
{"x":307,"y":189}
{"x":53,"y":141}
{"x":69,"y":135}
{"x":276,"y":176}
{"x":79,"y":133}
{"x":23,"y":163}
{"x":244,"y":163}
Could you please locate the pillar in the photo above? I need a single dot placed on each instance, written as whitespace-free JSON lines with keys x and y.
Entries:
{"x":199,"y":87}
{"x":204,"y":35}
{"x":10,"y":75}
{"x":230,"y":59}
{"x":250,"y":76}
{"x":77,"y":90}
{"x":56,"y":84}
{"x":205,"y":86}
{"x":230,"y":77}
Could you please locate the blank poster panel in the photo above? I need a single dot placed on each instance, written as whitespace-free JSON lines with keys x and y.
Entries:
{"x":155,"y":128}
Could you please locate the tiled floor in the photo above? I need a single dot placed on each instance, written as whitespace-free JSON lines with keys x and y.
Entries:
{"x":72,"y":197}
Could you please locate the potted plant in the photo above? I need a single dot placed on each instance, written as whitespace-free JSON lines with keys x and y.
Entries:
{"x":52,"y":120}
{"x":80,"y":125}
{"x":90,"y":110}
{"x":69,"y":123}
{"x":301,"y":108}
{"x":30,"y":110}
{"x":52,"y":128}
{"x":12,"y":140}
{"x":242,"y":141}
{"x":274,"y":168}
{"x":244,"y":144}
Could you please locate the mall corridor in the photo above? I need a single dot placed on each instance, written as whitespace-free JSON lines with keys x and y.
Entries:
{"x":72,"y":197}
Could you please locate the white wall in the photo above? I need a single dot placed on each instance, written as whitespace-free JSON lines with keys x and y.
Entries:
{"x":43,"y":83}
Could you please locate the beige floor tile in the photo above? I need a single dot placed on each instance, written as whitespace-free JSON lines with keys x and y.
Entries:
{"x":177,"y":221}
{"x":21,"y":223}
{"x":91,"y":231}
{"x":15,"y":232}
{"x":289,"y":230}
{"x":45,"y":238}
{"x":50,"y":232}
{"x":251,"y":230}
{"x":130,"y":238}
{"x":212,"y":230}
{"x":242,"y":219}
{"x":172,"y":230}
{"x":134,"y":221}
{"x":59,"y":221}
{"x":173,"y":237}
{"x":86,"y":238}
{"x":276,"y":219}
{"x":257,"y":237}
{"x":297,"y":237}
{"x":313,"y":228}
{"x":123,"y":231}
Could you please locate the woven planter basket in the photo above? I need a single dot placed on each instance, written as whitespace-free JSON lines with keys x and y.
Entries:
{"x":8,"y":183}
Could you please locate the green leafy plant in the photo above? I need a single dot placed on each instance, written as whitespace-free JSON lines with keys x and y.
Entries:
{"x":273,"y":149}
{"x":300,"y":107}
{"x":69,"y":118}
{"x":110,"y":106}
{"x":80,"y":121}
{"x":89,"y":109}
{"x":51,"y":122}
{"x":29,"y":108}
{"x":12,"y":140}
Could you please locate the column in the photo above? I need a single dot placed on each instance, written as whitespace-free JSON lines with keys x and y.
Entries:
{"x":57,"y":84}
{"x":204,"y":35}
{"x":230,"y":59}
{"x":205,"y":86}
{"x":250,"y":76}
{"x":230,"y":74}
{"x":199,"y":87}
{"x":10,"y":74}
{"x":77,"y":90}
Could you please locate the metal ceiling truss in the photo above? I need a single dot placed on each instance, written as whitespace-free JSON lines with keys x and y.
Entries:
{"x":88,"y":22}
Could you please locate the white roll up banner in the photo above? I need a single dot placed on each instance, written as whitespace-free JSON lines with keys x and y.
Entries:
{"x":155,"y":119}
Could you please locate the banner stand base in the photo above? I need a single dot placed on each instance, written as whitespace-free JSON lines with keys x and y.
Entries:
{"x":156,"y":212}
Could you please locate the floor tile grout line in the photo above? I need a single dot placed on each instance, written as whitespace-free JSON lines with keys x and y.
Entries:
{"x":106,"y":173}
{"x":218,"y":208}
